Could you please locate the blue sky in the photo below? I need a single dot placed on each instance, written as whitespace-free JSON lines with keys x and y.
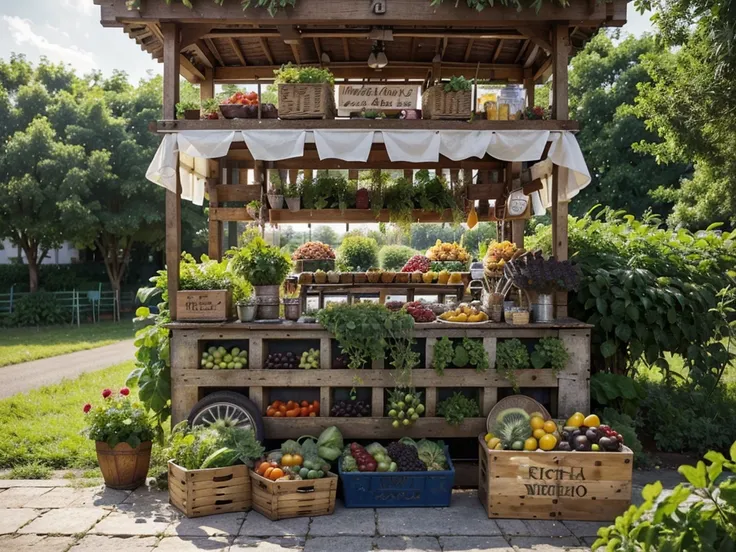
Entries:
{"x":69,"y":31}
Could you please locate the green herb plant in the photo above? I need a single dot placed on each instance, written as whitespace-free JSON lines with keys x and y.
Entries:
{"x":458,"y":407}
{"x":444,"y":352}
{"x":211,"y":106}
{"x":259,"y":263}
{"x":617,"y":391}
{"x":477,"y":354}
{"x":669,"y":523}
{"x":458,"y":84}
{"x":550,"y":352}
{"x":276,"y":184}
{"x":293,"y":189}
{"x":399,"y":328}
{"x":181,"y":107}
{"x":212,"y":446}
{"x":293,"y":74}
{"x":511,"y":355}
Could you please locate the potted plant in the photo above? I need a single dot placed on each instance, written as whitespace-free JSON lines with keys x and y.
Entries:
{"x":211,"y":109}
{"x":246,"y":309}
{"x":122,"y":433}
{"x":265,"y":267}
{"x":275,"y":190}
{"x":292,"y":306}
{"x":532,"y":272}
{"x":188,"y":110}
{"x":292,"y":194}
{"x":254,"y":209}
{"x":449,"y":100}
{"x":305,"y":92}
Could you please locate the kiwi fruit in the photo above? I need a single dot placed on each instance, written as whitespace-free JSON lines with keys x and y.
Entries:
{"x":512,"y":415}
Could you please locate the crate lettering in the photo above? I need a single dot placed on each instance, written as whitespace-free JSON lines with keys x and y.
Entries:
{"x":201,"y":304}
{"x":557,"y":490}
{"x":556,"y":474}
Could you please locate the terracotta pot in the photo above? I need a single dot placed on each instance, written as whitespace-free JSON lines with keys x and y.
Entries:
{"x":122,"y":466}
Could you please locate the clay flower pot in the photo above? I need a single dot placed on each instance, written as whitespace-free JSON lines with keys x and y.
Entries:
{"x":122,"y":466}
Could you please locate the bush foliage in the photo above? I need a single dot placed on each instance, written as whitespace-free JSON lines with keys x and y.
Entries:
{"x":357,"y":253}
{"x":37,"y":309}
{"x":394,"y":257}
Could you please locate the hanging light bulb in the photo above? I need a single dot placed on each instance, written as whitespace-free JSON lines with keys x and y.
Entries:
{"x":372,"y":61}
{"x":381,"y":58}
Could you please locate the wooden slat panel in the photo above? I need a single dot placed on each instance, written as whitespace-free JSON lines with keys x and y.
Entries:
{"x":239,"y":192}
{"x":229,"y":214}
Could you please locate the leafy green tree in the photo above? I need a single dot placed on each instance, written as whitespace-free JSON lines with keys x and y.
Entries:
{"x":604,"y":83}
{"x":326,"y":234}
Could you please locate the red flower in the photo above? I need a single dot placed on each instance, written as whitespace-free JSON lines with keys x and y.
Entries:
{"x":125,"y":391}
{"x":87,"y":408}
{"x":106,"y":393}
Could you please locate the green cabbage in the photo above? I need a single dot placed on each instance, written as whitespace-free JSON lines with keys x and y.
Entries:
{"x":330,"y":444}
{"x":432,"y":454}
{"x":349,"y":464}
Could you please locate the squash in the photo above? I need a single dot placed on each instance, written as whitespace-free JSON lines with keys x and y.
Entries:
{"x":455,"y":278}
{"x":443,"y":277}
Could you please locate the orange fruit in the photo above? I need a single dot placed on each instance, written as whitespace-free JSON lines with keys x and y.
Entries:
{"x":550,"y":426}
{"x":539,"y":433}
{"x":548,"y":442}
{"x":530,"y":444}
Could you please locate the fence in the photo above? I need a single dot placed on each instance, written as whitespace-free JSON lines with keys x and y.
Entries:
{"x":80,"y":304}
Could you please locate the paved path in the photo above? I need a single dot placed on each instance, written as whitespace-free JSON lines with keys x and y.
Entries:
{"x":19,"y":378}
{"x":51,"y":516}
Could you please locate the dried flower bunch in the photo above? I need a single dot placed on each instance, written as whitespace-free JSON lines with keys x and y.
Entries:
{"x":533,"y":272}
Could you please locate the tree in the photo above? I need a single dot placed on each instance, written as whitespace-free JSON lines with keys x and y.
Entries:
{"x":604,"y":83}
{"x":326,"y":234}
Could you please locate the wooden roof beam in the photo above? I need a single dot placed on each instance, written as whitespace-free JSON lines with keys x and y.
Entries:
{"x":366,"y":34}
{"x":189,"y":71}
{"x":237,"y":50}
{"x":521,"y":51}
{"x":204,"y":53}
{"x":346,"y":49}
{"x":540,"y":37}
{"x":531,"y":57}
{"x":267,"y":50}
{"x":497,"y":52}
{"x":296,"y":54}
{"x":468,"y":49}
{"x":214,"y":50}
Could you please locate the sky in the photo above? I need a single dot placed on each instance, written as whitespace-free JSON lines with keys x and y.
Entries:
{"x":69,"y":31}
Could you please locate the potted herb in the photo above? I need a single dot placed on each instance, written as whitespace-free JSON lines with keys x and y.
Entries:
{"x":122,"y":433}
{"x":305,"y":92}
{"x":211,"y":109}
{"x":292,"y":305}
{"x":275,"y":190}
{"x":449,"y":100}
{"x":265,"y":267}
{"x":532,"y":272}
{"x":292,"y":194}
{"x":246,"y":309}
{"x":511,"y":355}
{"x":188,"y":110}
{"x":254,"y":209}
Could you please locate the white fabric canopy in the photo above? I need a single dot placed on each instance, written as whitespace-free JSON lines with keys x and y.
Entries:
{"x":414,"y":146}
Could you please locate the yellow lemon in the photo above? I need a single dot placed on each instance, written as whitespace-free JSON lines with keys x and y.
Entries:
{"x":592,"y":421}
{"x":488,"y":437}
{"x":576,"y":420}
{"x":550,"y":426}
{"x":530,"y":444}
{"x":539,"y":433}
{"x":537,"y":422}
{"x":461,"y":318}
{"x":548,"y":442}
{"x":499,"y":446}
{"x":493,"y":441}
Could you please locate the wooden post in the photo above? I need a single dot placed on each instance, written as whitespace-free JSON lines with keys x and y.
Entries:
{"x":513,"y":172}
{"x":560,"y":111}
{"x":207,"y":86}
{"x":529,"y":87}
{"x":173,"y":199}
{"x":184,"y":353}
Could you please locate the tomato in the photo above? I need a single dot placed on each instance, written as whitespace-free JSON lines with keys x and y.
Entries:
{"x":304,"y":411}
{"x":283,"y":409}
{"x":276,"y":404}
{"x":305,"y":403}
{"x":275,"y":474}
{"x":271,"y":411}
{"x":290,"y":405}
{"x":294,"y":413}
{"x":278,"y":414}
{"x":315,"y":404}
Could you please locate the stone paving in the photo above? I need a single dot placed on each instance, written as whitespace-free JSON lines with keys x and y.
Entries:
{"x":52,"y":516}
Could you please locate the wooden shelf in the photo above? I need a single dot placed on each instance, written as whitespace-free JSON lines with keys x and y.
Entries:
{"x":362,"y":124}
{"x":372,"y":428}
{"x":337,"y":216}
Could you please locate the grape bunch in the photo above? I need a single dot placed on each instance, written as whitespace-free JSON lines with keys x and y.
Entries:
{"x":350,"y":409}
{"x":406,"y":457}
{"x":282,"y":361}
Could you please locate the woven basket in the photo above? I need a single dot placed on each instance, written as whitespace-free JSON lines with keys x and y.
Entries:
{"x":438,"y":104}
{"x":306,"y":101}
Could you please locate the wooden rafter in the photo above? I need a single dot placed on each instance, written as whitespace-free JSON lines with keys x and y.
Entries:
{"x":204,"y":53}
{"x":295,"y":52}
{"x":468,"y":49}
{"x":521,"y":51}
{"x":497,"y":51}
{"x":531,"y":57}
{"x":237,"y":50}
{"x":267,"y":50}
{"x":214,"y":50}
{"x":538,"y":36}
{"x":346,"y":49}
{"x":366,"y":34}
{"x":412,"y":49}
{"x":317,"y":47}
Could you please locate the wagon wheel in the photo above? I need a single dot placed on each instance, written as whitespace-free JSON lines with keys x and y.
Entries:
{"x":233,"y":407}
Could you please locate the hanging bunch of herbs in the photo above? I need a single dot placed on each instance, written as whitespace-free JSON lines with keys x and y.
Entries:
{"x":399,"y":199}
{"x":433,"y":193}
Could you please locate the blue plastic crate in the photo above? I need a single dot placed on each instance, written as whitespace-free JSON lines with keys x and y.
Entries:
{"x":430,"y":489}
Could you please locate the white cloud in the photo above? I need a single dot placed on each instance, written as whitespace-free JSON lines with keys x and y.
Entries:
{"x":23,"y":33}
{"x":87,"y":7}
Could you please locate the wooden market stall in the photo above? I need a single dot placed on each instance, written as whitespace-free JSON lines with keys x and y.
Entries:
{"x":212,"y":44}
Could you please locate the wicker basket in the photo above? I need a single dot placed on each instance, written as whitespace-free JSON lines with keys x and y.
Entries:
{"x":373,"y":276}
{"x":360,"y":277}
{"x":438,"y":104}
{"x":346,"y":277}
{"x":306,"y":101}
{"x":387,"y":277}
{"x":402,"y":277}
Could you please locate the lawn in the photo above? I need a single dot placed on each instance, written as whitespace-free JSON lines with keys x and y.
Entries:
{"x":25,"y":344}
{"x":44,"y":426}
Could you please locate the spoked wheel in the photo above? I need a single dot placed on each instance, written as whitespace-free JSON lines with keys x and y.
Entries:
{"x":230,"y":407}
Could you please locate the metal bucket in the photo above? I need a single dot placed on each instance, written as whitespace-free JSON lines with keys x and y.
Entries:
{"x":544,"y":309}
{"x":246,"y":313}
{"x":292,"y":309}
{"x":267,"y":299}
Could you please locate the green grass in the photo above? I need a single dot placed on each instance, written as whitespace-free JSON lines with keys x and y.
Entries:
{"x":677,"y":367}
{"x":33,"y":470}
{"x":45,"y":426}
{"x":25,"y":344}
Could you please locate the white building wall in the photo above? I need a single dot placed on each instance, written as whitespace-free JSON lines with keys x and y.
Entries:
{"x":66,"y":254}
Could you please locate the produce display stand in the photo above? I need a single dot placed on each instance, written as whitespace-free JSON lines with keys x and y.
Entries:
{"x":229,"y":161}
{"x":352,"y":291}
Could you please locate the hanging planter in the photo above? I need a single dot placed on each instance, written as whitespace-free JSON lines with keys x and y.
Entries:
{"x":276,"y":201}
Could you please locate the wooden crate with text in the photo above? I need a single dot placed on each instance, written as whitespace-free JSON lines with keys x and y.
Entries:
{"x":204,"y":306}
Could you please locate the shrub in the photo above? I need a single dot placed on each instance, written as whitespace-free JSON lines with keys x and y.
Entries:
{"x":259,"y":263}
{"x":357,"y":253}
{"x":394,"y":257}
{"x":37,"y":309}
{"x":649,"y":290}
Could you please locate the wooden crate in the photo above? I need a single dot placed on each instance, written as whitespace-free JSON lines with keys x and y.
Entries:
{"x":212,"y":491}
{"x":287,"y":499}
{"x":313,"y":265}
{"x":592,"y":486}
{"x":306,"y":101}
{"x":438,"y":104}
{"x":204,"y":306}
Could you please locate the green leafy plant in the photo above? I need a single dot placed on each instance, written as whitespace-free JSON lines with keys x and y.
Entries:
{"x":399,"y":331}
{"x":37,"y":309}
{"x":669,"y":523}
{"x":117,"y":419}
{"x":444,"y":352}
{"x":276,"y":184}
{"x":272,"y":6}
{"x":550,"y":352}
{"x":450,"y":266}
{"x":394,"y":257}
{"x":458,"y":84}
{"x":211,"y":106}
{"x":357,"y":253}
{"x":511,"y":355}
{"x":259,"y":263}
{"x":398,"y":197}
{"x":619,"y":392}
{"x":432,"y":193}
{"x":293,"y":74}
{"x":183,"y":107}
{"x":458,"y":407}
{"x":359,"y":330}
{"x":477,"y":354}
{"x":293,"y":189}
